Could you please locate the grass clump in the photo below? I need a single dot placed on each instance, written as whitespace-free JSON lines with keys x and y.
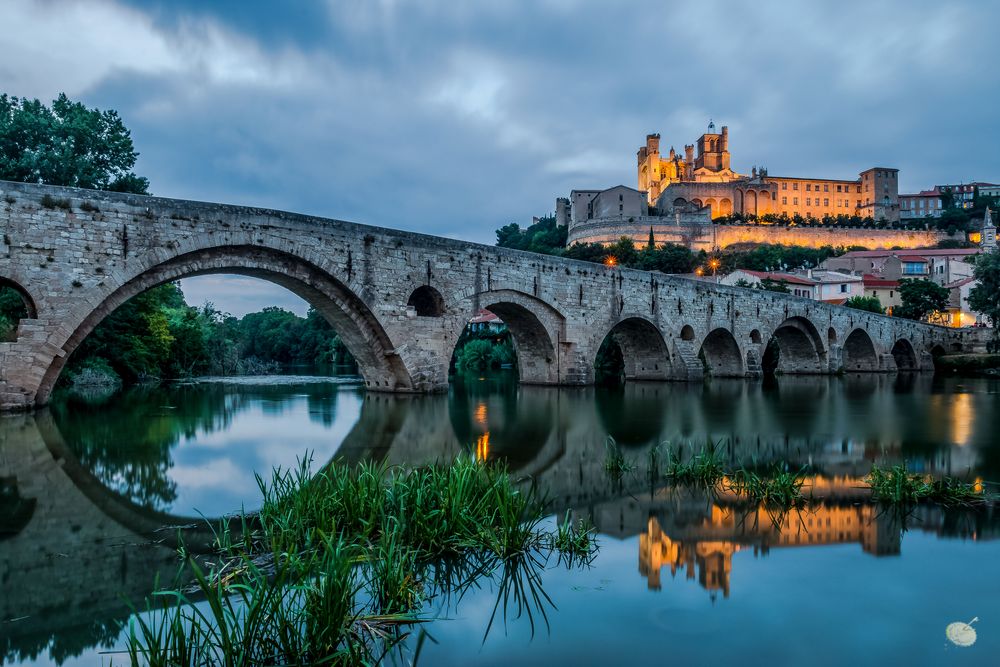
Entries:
{"x":777,"y":487}
{"x":704,"y":469}
{"x":615,"y":463}
{"x":336,"y":566}
{"x":898,"y":486}
{"x":575,"y":539}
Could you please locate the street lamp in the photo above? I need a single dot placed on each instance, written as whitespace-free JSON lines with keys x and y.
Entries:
{"x":714,"y":263}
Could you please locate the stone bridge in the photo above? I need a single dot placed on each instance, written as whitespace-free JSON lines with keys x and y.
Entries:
{"x":400,"y":300}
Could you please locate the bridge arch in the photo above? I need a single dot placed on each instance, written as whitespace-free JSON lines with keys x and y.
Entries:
{"x":859,"y":353}
{"x":17,"y":305}
{"x":905,"y":355}
{"x":720,"y":354}
{"x":795,"y":347}
{"x":362,"y":334}
{"x":535,"y":328}
{"x":644,"y":352}
{"x":427,"y":302}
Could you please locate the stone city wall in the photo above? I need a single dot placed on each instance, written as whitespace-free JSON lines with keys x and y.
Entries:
{"x":710,"y":237}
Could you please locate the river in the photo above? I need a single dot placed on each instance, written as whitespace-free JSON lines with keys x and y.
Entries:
{"x":679,"y":577}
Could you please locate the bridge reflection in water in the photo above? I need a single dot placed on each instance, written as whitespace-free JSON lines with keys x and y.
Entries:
{"x":82,"y":519}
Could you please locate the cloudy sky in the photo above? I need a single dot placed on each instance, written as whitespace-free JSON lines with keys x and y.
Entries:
{"x":455,"y":118}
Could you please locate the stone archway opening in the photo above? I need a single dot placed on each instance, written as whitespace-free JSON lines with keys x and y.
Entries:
{"x":795,"y":347}
{"x":536,"y":358}
{"x":720,"y":354}
{"x":859,"y":353}
{"x":905,"y":355}
{"x":15,"y":305}
{"x":485,"y":345}
{"x":356,"y":326}
{"x":427,"y":302}
{"x":687,"y":332}
{"x":634,"y":349}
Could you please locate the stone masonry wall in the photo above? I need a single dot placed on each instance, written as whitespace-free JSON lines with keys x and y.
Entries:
{"x":78,"y":254}
{"x":709,"y":237}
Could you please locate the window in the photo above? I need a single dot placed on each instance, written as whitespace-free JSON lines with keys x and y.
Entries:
{"x":890,"y":294}
{"x":784,"y":185}
{"x":826,"y":187}
{"x":795,"y":201}
{"x":843,"y":288}
{"x":620,"y":208}
{"x":838,"y":188}
{"x":808,"y":199}
{"x":859,"y":188}
{"x":795,"y":186}
{"x":826,"y":202}
{"x":914,"y":268}
{"x":784,"y":200}
{"x":808,"y":187}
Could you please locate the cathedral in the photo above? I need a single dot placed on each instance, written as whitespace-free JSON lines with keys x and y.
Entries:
{"x":706,"y":180}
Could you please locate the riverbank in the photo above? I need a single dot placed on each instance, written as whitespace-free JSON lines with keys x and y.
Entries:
{"x":976,"y":365}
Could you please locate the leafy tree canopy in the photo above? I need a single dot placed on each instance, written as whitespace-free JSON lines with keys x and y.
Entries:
{"x":920,"y":298}
{"x":67,"y":144}
{"x":985,"y":297}
{"x":869,"y":303}
{"x":543,"y":236}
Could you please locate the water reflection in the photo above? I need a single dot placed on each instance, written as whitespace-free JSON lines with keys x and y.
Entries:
{"x":84,"y":487}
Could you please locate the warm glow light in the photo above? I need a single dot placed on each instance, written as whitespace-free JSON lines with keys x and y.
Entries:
{"x":610,"y":260}
{"x":699,"y":271}
{"x":480,"y":414}
{"x":961,"y":419}
{"x":714,"y":263}
{"x":483,"y":447}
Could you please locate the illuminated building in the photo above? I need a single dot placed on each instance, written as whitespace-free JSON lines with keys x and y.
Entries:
{"x":707,"y":180}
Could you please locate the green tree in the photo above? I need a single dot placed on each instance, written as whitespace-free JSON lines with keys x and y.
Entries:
{"x":985,"y":297}
{"x":869,"y":303}
{"x":771,"y":285}
{"x":543,"y":236}
{"x":920,"y":298}
{"x":67,"y":144}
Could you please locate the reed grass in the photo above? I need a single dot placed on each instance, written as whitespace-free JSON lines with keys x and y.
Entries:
{"x":777,"y":488}
{"x":615,"y":463}
{"x":704,"y":469}
{"x":898,"y":486}
{"x":336,"y":566}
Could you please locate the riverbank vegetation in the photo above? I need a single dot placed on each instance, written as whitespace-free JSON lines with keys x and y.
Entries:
{"x":157,"y":335}
{"x":338,"y":567}
{"x":547,"y":238}
{"x":778,"y":486}
{"x":485,"y":350}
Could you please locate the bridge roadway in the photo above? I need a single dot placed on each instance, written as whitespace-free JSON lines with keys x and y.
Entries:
{"x":400,"y":300}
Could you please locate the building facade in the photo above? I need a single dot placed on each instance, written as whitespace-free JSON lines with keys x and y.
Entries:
{"x":706,"y":179}
{"x":926,"y":203}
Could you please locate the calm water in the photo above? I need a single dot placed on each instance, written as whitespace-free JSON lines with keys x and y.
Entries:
{"x":679,"y":577}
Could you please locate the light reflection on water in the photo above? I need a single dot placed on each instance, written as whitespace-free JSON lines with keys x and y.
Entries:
{"x":698,"y":574}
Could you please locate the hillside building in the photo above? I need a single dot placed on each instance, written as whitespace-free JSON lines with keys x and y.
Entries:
{"x":706,"y":179}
